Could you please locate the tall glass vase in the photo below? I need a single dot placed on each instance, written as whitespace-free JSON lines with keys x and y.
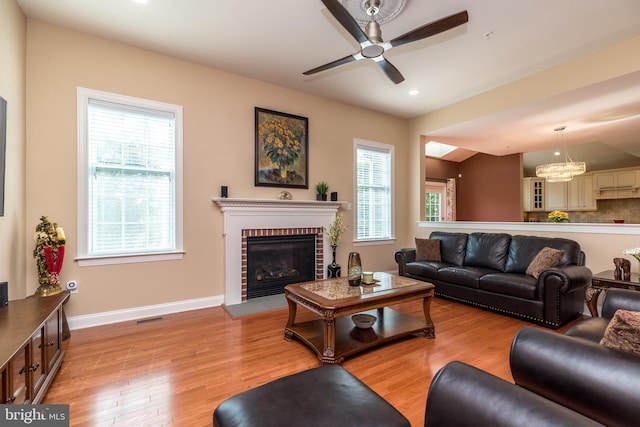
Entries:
{"x":354,"y":274}
{"x":333,"y":269}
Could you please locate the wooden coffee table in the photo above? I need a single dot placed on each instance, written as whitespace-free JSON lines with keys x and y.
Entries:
{"x":334,"y":336}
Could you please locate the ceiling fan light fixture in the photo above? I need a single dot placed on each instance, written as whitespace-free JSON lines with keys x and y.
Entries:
{"x":372,"y":51}
{"x":561,"y":171}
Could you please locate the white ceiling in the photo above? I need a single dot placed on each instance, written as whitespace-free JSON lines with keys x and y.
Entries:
{"x":276,"y":40}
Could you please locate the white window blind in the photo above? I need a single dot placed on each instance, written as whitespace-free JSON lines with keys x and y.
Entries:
{"x":373,"y":190}
{"x":133,"y":194}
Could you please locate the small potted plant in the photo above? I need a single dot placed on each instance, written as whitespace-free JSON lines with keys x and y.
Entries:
{"x":322,"y":188}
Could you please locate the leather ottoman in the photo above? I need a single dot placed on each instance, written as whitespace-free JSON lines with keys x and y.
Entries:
{"x":325,"y":396}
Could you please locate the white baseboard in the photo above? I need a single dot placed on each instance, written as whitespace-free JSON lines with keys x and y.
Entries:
{"x":108,"y":317}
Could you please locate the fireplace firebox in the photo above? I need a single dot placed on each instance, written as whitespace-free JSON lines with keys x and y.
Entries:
{"x":276,"y":261}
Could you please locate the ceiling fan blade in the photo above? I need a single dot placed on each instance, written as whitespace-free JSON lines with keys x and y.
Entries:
{"x":346,"y":20}
{"x":432,"y":28}
{"x":332,"y":64}
{"x":390,"y":70}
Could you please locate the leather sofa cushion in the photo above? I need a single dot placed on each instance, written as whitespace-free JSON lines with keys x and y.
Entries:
{"x":523,"y":250}
{"x":452,"y":246}
{"x":463,"y":276}
{"x":488,"y":250}
{"x":424,"y":269}
{"x":515,"y":285}
{"x":591,"y":329}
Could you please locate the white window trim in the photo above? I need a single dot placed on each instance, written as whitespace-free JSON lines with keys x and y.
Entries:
{"x":363,"y":143}
{"x":83,"y":96}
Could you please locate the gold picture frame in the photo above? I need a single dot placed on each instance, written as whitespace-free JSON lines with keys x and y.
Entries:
{"x":282,"y":149}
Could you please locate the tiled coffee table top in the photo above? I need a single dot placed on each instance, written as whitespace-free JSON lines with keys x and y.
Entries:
{"x":338,"y":288}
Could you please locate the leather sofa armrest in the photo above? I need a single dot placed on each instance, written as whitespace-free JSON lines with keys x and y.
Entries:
{"x":625,"y":299}
{"x":565,"y":279}
{"x":404,"y":256}
{"x":461,"y":395}
{"x":589,"y":378}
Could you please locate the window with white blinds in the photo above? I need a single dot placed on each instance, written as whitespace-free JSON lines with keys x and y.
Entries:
{"x":374,"y":220}
{"x":130,"y":177}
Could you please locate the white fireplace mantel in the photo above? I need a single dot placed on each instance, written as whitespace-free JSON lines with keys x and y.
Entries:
{"x":225,"y":203}
{"x":242,"y":214}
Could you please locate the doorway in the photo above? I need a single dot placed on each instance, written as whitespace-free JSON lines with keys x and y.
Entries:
{"x":440,"y":200}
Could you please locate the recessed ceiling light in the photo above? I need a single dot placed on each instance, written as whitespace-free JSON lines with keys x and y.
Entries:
{"x":414,"y":92}
{"x":141,"y":1}
{"x":438,"y":149}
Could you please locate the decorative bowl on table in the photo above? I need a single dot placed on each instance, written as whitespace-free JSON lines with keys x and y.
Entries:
{"x":363,"y":321}
{"x":619,"y":221}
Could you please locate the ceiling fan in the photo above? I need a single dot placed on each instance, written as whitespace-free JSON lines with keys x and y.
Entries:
{"x":371,"y":44}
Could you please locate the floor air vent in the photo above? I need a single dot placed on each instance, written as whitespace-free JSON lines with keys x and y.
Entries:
{"x":151,"y":319}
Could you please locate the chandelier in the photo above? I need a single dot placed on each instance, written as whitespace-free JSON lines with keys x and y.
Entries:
{"x":561,"y":171}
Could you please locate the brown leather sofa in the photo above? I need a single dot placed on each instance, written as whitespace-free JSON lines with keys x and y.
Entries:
{"x":488,"y":270}
{"x":559,"y":381}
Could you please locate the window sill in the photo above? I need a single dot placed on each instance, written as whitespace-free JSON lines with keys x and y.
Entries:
{"x":389,"y":241}
{"x":128,"y":259}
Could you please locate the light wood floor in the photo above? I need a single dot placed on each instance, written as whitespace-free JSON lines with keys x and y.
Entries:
{"x":175,"y":371}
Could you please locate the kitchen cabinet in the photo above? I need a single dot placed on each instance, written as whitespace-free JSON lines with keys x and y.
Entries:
{"x":574,"y":195}
{"x":555,"y":195}
{"x":580,"y":194}
{"x":617,"y":184}
{"x":533,"y":194}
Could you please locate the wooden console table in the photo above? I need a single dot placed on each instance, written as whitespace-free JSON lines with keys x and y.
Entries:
{"x":31,"y":351}
{"x":603,"y":281}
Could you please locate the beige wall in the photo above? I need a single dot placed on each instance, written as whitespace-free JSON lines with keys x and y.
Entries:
{"x":14,"y":251}
{"x":218,"y":150}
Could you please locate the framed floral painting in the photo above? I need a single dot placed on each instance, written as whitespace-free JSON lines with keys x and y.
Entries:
{"x":282,"y":149}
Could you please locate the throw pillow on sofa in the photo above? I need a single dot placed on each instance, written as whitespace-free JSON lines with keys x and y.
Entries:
{"x":547,"y":258}
{"x":623,"y":332}
{"x":428,"y":250}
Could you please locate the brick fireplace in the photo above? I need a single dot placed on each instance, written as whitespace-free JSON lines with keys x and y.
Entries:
{"x":271,"y":238}
{"x":245,"y":218}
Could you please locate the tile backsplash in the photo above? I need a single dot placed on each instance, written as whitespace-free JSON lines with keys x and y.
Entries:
{"x":608,"y":210}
